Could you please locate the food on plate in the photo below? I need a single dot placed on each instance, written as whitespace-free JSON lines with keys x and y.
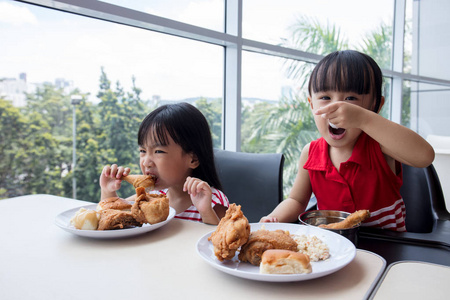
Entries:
{"x":85,"y":219}
{"x":232,"y":232}
{"x":351,"y":221}
{"x":114,"y":203}
{"x":116,"y":219}
{"x":276,"y":261}
{"x":311,"y":245}
{"x":150,"y":208}
{"x":262,"y":240}
{"x":145,"y":181}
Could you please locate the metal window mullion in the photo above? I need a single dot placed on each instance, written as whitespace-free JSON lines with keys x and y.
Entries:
{"x":397,"y":60}
{"x":232,"y":103}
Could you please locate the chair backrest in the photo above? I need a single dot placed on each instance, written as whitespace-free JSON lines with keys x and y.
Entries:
{"x":423,"y":197}
{"x":252,"y":180}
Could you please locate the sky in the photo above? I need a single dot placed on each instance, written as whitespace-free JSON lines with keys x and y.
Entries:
{"x":48,"y":44}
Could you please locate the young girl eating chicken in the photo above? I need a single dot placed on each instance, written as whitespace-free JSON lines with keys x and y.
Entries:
{"x":356,"y":164}
{"x":175,"y":146}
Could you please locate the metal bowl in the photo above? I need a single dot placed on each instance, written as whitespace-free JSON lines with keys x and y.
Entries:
{"x":317,"y":217}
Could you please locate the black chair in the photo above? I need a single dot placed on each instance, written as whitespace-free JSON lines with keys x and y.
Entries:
{"x":427,"y":219}
{"x":252,"y":180}
{"x":424,"y":199}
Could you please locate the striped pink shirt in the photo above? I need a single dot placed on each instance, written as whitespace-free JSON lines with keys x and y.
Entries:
{"x":192,"y":214}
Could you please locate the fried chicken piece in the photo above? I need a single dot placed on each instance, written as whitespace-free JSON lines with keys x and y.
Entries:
{"x":114,"y":203}
{"x":145,"y":181}
{"x":116,"y":219}
{"x":349,"y":222}
{"x":150,"y":208}
{"x":262,"y":240}
{"x":231,"y":233}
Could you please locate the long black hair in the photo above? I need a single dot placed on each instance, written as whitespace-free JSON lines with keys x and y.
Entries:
{"x":348,"y":71}
{"x":189,"y":129}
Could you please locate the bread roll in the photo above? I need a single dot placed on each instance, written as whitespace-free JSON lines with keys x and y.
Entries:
{"x":114,"y":203}
{"x":276,"y":261}
{"x":85,"y":219}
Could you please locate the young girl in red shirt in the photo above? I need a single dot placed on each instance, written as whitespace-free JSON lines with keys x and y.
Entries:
{"x":356,"y":164}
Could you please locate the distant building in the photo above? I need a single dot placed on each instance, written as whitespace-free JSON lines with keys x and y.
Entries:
{"x":14,"y":89}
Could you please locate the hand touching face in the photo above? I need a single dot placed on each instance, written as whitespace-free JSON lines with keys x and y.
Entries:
{"x":339,"y":115}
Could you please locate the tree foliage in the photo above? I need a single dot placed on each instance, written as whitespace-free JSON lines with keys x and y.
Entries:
{"x":37,"y":140}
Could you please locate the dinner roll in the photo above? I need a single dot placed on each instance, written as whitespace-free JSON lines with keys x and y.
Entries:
{"x":276,"y":261}
{"x":85,"y":219}
{"x":114,"y":203}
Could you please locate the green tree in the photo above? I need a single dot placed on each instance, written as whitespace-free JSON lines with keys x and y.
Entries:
{"x":212,"y":110}
{"x":12,"y":124}
{"x":31,"y":159}
{"x":120,"y":115}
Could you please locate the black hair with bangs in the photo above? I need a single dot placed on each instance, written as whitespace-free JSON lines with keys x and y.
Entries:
{"x":189,"y":129}
{"x":347,"y":71}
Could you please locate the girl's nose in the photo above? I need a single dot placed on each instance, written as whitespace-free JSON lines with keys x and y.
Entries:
{"x":147,"y":162}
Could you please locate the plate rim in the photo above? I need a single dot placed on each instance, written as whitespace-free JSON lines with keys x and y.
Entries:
{"x":276,"y":277}
{"x":107,"y":234}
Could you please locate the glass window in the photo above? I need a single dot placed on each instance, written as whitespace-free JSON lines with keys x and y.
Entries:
{"x":205,"y":13}
{"x":275,"y":112}
{"x":429,"y":106}
{"x":431,"y":41}
{"x":321,"y":26}
{"x":120,"y":73}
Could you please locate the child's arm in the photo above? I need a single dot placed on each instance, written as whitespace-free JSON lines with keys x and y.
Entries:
{"x":201,"y":197}
{"x":396,"y":141}
{"x":289,"y":209}
{"x":111,"y":180}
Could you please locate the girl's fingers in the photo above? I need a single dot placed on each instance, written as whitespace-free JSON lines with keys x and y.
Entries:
{"x":106,"y":171}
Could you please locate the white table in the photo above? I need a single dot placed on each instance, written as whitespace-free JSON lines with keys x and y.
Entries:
{"x":414,"y":280}
{"x":39,"y":260}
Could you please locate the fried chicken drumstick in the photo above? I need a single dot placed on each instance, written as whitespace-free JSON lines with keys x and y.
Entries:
{"x":349,"y":222}
{"x":145,"y":181}
{"x":231,"y":233}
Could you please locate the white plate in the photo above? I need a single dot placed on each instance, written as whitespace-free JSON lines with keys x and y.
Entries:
{"x":342,"y":252}
{"x":63,"y":221}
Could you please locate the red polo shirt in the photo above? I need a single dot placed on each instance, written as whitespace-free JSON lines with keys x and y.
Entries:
{"x":364,"y":181}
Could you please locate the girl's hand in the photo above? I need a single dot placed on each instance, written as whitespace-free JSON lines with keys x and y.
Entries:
{"x":268,"y":220}
{"x":111,"y":178}
{"x":200,"y":192}
{"x":343,"y":114}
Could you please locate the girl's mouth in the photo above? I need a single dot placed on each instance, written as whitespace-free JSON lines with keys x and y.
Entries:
{"x":336,"y":133}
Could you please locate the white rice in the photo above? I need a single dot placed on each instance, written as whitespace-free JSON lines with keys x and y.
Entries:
{"x":311,"y":245}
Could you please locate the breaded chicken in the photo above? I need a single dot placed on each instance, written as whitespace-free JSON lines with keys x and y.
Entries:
{"x":352,"y":220}
{"x":262,"y":240}
{"x":116,"y":219}
{"x":150,"y":208}
{"x":145,"y":181}
{"x":231,"y":233}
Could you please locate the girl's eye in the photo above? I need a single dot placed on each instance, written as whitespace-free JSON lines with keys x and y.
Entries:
{"x":141,"y":151}
{"x":159,"y":151}
{"x":351,"y":98}
{"x":324,"y":98}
